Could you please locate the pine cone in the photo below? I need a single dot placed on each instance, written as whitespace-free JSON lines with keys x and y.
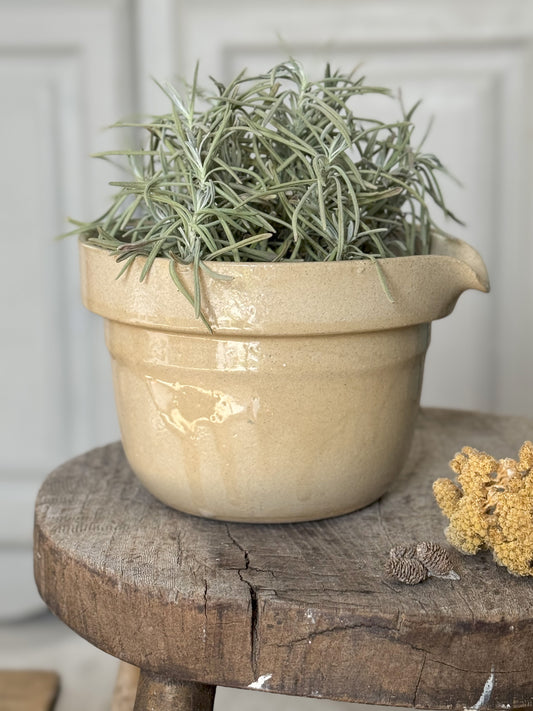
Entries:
{"x":436,"y":560}
{"x":402,"y":552}
{"x":407,"y":570}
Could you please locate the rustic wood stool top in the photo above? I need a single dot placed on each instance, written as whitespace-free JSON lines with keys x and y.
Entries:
{"x":304,"y":609}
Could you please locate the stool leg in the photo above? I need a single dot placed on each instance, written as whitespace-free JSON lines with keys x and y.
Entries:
{"x":157,"y":693}
{"x":125,"y":688}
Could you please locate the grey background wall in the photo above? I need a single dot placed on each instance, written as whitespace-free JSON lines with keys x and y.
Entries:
{"x":70,"y":67}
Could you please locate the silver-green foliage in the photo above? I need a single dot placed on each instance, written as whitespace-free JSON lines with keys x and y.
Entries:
{"x":269,"y":168}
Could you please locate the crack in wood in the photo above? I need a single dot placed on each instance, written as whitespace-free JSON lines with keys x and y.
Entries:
{"x":330,"y":630}
{"x":205,"y":608}
{"x":253,"y":601}
{"x":440,"y":662}
{"x":419,"y":679}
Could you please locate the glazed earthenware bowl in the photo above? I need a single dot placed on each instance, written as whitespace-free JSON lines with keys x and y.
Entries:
{"x":300,"y":404}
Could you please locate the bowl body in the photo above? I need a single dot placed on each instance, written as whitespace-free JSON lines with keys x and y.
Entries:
{"x":266,"y":429}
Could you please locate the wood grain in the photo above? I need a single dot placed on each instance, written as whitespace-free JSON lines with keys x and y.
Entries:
{"x":163,"y":694}
{"x":304,"y":609}
{"x":28,"y":690}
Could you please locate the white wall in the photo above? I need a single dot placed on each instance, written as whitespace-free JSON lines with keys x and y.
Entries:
{"x":68,"y":68}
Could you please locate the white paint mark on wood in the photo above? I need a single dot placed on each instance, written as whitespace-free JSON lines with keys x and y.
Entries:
{"x":260,"y":683}
{"x":485,"y":694}
{"x":311,"y":616}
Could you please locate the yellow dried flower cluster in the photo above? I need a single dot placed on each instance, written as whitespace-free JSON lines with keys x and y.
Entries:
{"x":491,"y":506}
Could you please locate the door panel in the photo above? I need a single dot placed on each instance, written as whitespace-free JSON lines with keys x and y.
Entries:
{"x":58,"y":87}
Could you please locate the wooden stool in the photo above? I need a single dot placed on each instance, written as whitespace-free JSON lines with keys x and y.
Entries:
{"x":303,"y":609}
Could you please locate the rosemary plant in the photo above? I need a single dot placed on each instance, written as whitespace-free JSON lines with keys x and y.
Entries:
{"x":270,"y":168}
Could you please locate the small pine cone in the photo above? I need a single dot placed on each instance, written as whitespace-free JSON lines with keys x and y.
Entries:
{"x":407,"y":570}
{"x":402,"y":552}
{"x":436,"y":560}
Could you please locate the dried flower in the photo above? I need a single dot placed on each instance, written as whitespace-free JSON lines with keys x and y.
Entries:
{"x":492,"y":508}
{"x":525,"y":456}
{"x":448,"y":495}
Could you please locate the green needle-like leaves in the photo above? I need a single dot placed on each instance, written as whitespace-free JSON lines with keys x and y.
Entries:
{"x":272,"y":168}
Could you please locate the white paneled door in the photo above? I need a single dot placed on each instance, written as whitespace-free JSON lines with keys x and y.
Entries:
{"x":64,"y":74}
{"x":69,"y":68}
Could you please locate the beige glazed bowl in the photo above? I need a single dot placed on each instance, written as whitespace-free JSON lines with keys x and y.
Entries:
{"x":301,"y":404}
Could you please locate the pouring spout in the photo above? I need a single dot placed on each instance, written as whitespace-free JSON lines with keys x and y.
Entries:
{"x":470,"y":272}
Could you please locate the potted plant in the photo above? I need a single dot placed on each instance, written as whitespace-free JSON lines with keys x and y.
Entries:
{"x":269,"y":323}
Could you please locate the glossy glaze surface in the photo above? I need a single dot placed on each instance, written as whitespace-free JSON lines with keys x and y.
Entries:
{"x":244,"y":430}
{"x":299,"y":406}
